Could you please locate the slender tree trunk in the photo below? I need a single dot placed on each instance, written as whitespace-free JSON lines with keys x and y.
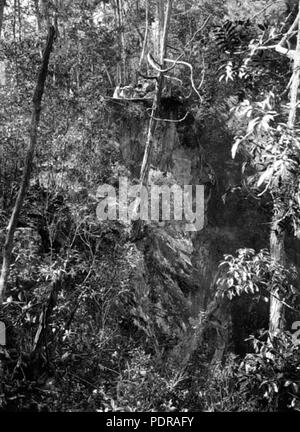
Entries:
{"x":158,"y":28}
{"x":20,"y":20}
{"x":156,"y":103}
{"x":2,"y":63}
{"x":119,"y":7}
{"x":276,"y":321}
{"x":45,"y":12}
{"x":137,"y":225}
{"x":145,"y":36}
{"x":38,"y":17}
{"x":2,"y":4}
{"x":295,"y":82}
{"x":37,"y":98}
{"x":277,"y":310}
{"x":124,"y":57}
{"x":38,"y":25}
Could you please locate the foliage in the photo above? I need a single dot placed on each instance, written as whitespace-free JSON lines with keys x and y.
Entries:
{"x":257,"y":274}
{"x":272,"y":372}
{"x":266,"y":380}
{"x":91,"y":317}
{"x":141,"y":387}
{"x":221,"y":392}
{"x":274,"y":152}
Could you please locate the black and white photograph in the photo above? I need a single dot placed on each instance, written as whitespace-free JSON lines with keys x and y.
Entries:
{"x":149,"y":209}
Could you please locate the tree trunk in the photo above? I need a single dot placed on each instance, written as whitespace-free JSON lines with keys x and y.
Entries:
{"x":38,"y":17}
{"x":156,"y":103}
{"x":2,"y":4}
{"x":37,"y":98}
{"x":276,"y":321}
{"x":119,"y":6}
{"x":277,"y":310}
{"x":2,"y":63}
{"x":45,"y":12}
{"x":137,"y":225}
{"x":145,"y":36}
{"x":295,"y":82}
{"x":158,"y":28}
{"x":20,"y":20}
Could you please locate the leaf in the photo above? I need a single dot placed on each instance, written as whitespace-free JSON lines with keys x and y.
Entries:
{"x":266,"y":175}
{"x":230,"y":282}
{"x":235,"y":147}
{"x":65,"y":356}
{"x":223,"y":197}
{"x":264,"y":124}
{"x":252,"y":124}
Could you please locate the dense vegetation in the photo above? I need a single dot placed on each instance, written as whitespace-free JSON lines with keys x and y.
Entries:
{"x":103,"y":315}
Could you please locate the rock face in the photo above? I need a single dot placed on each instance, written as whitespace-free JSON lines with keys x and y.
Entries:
{"x":193,"y":153}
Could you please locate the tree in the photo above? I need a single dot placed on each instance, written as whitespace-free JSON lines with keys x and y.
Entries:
{"x":2,"y":4}
{"x":274,"y":145}
{"x":164,"y":16}
{"x":38,"y":16}
{"x":37,"y":99}
{"x":277,"y":232}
